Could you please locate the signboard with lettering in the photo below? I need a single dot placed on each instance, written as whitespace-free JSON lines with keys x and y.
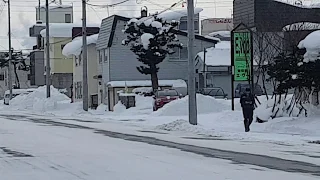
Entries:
{"x":242,"y":55}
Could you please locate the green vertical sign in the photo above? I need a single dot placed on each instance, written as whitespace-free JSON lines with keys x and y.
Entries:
{"x":242,"y":55}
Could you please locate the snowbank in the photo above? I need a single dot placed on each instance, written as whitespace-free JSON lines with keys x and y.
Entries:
{"x":146,"y":83}
{"x":221,"y":33}
{"x":182,"y":126}
{"x":37,"y":101}
{"x":75,"y":46}
{"x":206,"y":105}
{"x":264,"y":111}
{"x":144,"y":105}
{"x":312,"y":44}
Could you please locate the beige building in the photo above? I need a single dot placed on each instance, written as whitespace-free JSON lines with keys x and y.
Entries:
{"x":74,"y":50}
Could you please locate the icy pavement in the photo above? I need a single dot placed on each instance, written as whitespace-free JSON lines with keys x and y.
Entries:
{"x":42,"y":148}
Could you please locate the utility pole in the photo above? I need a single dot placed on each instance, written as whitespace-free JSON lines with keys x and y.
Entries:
{"x":191,"y":69}
{"x":10,"y":51}
{"x":204,"y":68}
{"x":39,"y":6}
{"x":85,"y":58}
{"x":48,"y":69}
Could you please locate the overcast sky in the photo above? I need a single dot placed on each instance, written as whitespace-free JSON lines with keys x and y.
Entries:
{"x":23,"y":14}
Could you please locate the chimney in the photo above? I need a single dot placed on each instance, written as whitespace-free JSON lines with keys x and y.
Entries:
{"x":144,"y":11}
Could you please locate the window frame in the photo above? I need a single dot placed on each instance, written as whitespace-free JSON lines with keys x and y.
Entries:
{"x":105,"y":56}
{"x":178,"y":56}
{"x":65,"y":18}
{"x":100,"y":56}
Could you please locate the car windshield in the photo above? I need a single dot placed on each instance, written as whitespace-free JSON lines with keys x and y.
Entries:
{"x":213,"y":92}
{"x":167,"y":93}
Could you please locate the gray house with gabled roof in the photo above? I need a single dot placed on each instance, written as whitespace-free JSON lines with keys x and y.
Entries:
{"x":118,"y":63}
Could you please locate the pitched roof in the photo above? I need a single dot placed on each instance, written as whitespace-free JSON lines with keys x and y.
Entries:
{"x":179,"y":32}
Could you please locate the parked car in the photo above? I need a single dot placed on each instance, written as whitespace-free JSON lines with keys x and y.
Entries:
{"x":215,"y":92}
{"x":241,"y":88}
{"x":163,"y":97}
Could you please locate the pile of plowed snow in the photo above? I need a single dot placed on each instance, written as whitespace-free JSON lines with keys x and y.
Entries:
{"x":205,"y":105}
{"x":37,"y":100}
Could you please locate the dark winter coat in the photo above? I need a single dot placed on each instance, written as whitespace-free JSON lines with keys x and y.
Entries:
{"x":247,"y":101}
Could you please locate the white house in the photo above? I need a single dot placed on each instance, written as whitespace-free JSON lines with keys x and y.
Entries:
{"x":74,"y":49}
{"x":57,"y":13}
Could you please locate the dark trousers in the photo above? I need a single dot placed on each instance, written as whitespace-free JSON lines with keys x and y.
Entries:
{"x":248,"y":117}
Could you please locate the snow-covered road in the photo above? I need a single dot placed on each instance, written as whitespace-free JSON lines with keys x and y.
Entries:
{"x":33,"y":150}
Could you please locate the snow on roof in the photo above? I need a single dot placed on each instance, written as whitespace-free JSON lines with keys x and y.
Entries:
{"x":301,"y":26}
{"x":312,"y":44}
{"x":221,"y":33}
{"x":55,"y":6}
{"x":75,"y":46}
{"x":219,"y":55}
{"x":20,"y":91}
{"x":177,"y":14}
{"x":213,"y":38}
{"x":299,"y":4}
{"x":146,"y":83}
{"x":63,"y":29}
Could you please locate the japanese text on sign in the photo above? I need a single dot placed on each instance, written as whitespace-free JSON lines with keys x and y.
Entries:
{"x":242,"y":55}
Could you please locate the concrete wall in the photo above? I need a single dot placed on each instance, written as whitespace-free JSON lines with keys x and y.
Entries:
{"x":62,"y":81}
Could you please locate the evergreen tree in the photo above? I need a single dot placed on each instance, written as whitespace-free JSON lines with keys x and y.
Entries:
{"x":151,"y":39}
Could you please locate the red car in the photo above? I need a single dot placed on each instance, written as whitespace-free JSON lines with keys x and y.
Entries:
{"x":163,"y":97}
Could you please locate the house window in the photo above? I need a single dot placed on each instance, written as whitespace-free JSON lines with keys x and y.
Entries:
{"x":1,"y":77}
{"x":67,"y":18}
{"x":184,"y":53}
{"x":100,"y":56}
{"x":184,"y":26}
{"x":105,"y":55}
{"x":180,"y":54}
{"x":29,"y":77}
{"x":176,"y":54}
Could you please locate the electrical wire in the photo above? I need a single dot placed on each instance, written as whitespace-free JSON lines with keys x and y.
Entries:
{"x":109,"y":5}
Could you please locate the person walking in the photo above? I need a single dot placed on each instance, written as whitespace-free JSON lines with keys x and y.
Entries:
{"x":247,"y":105}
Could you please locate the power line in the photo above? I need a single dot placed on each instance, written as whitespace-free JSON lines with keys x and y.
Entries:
{"x":109,"y":5}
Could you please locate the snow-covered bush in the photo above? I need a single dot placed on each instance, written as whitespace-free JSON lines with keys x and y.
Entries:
{"x":151,"y":39}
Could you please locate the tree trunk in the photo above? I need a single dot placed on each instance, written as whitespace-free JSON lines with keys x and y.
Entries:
{"x":154,"y":78}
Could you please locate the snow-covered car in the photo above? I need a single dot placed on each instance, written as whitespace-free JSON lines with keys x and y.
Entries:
{"x":15,"y":92}
{"x":163,"y":97}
